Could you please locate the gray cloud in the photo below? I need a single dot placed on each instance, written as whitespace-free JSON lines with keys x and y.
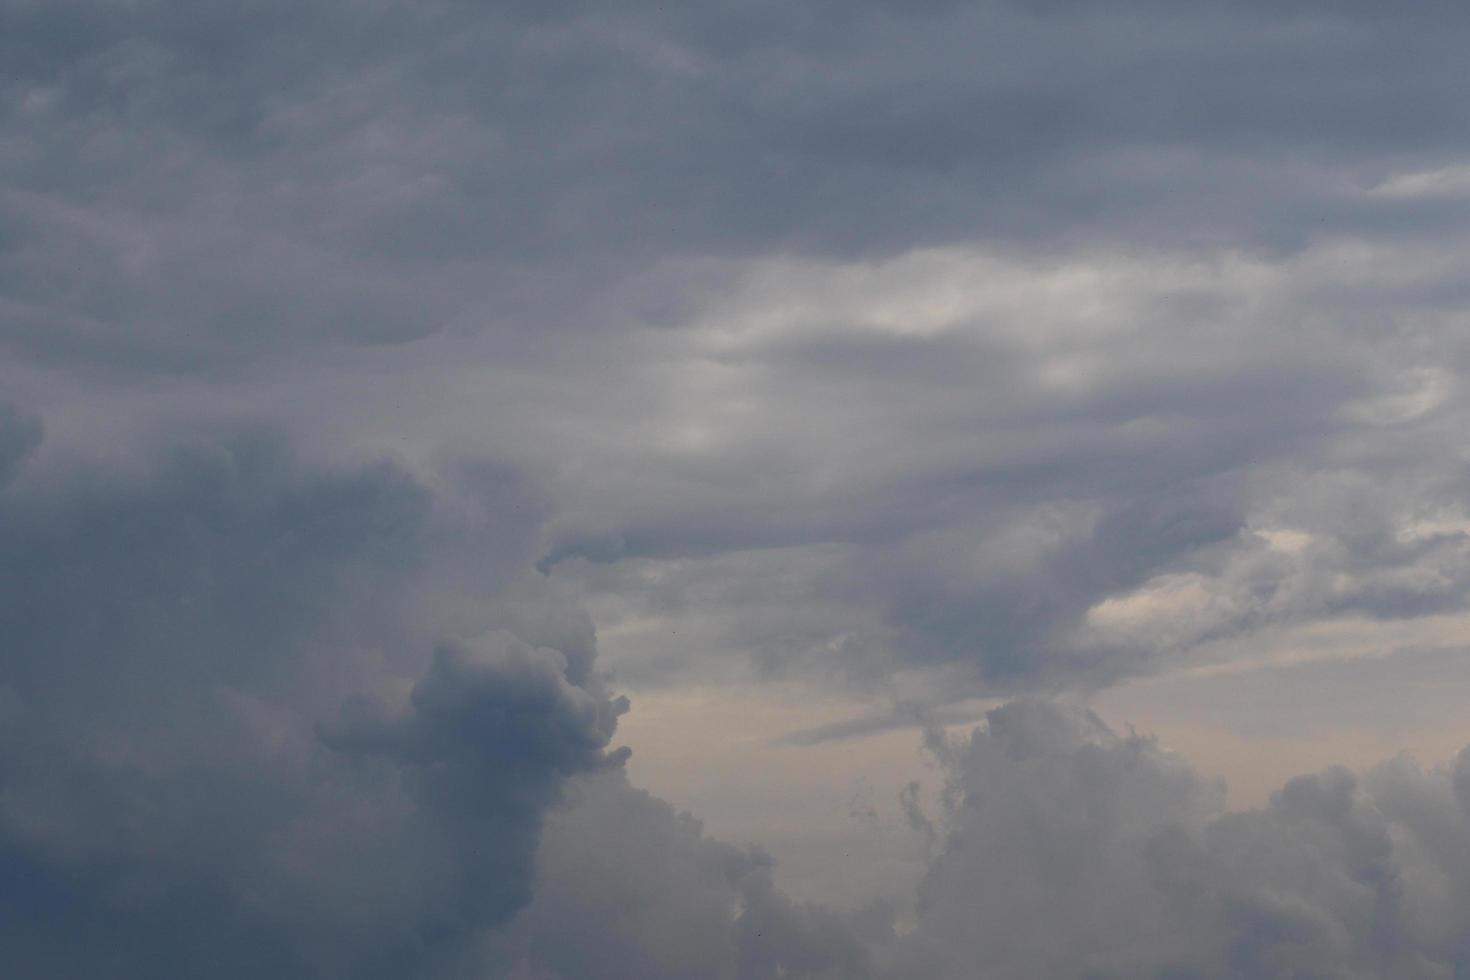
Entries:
{"x":1061,"y":849}
{"x":627,"y":886}
{"x":213,"y":184}
{"x":1059,"y":473}
{"x":491,"y":733}
{"x":929,"y":351}
{"x":1069,"y":851}
{"x":1006,"y":310}
{"x":171,"y":638}
{"x":20,"y":434}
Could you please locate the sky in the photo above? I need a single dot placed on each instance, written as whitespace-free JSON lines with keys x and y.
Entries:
{"x":846,"y":491}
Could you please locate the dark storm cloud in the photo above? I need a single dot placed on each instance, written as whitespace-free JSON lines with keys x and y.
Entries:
{"x":187,"y":185}
{"x":1253,"y":202}
{"x":491,"y":733}
{"x":173,"y":634}
{"x":934,"y":350}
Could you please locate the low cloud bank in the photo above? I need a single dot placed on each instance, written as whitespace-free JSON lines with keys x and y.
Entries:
{"x":1071,"y":851}
{"x":1062,"y":849}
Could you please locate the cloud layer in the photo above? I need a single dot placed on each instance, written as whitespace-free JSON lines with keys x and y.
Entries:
{"x":998,"y":334}
{"x":358,"y":358}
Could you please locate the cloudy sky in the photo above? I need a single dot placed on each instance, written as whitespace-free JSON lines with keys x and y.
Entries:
{"x":862,"y":491}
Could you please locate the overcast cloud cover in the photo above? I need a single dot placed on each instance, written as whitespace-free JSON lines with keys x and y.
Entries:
{"x":365,"y":367}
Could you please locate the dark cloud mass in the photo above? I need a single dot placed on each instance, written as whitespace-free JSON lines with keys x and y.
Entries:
{"x":356,"y":359}
{"x":174,"y":638}
{"x":191,"y":185}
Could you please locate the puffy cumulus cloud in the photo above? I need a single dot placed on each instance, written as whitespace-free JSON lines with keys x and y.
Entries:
{"x":1060,"y":849}
{"x":1069,"y":851}
{"x":628,"y":887}
{"x":194,"y":780}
